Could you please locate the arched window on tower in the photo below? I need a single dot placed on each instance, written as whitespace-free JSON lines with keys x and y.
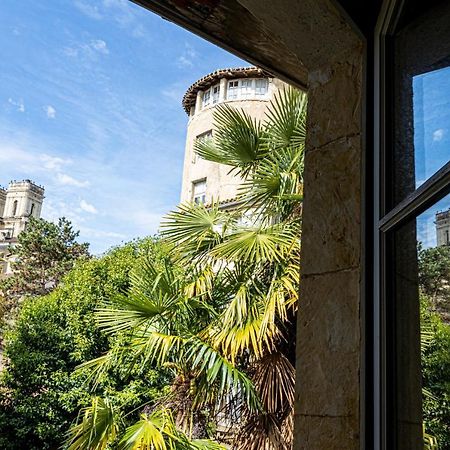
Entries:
{"x":14,"y":211}
{"x":32,"y":209}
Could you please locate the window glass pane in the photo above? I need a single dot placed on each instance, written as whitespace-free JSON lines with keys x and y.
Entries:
{"x":261,"y":87}
{"x":199,"y":191}
{"x":431,"y":102}
{"x":215,"y":94}
{"x":420,"y":99}
{"x":206,"y":97}
{"x":418,"y":331}
{"x":246,"y":88}
{"x":232,"y":91}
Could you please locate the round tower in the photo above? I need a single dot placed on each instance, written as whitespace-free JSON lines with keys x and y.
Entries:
{"x":249,"y":89}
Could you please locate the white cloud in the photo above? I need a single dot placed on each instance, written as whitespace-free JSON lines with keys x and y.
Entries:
{"x":438,"y":134}
{"x":50,"y":111}
{"x":87,"y":207}
{"x":90,"y":50}
{"x":18,"y":104}
{"x":187,"y":58}
{"x":67,"y":180}
{"x":53,"y":163}
{"x":28,"y":162}
{"x":88,"y":10}
{"x":100,"y":46}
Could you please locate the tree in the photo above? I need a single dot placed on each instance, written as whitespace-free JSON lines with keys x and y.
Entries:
{"x":434,"y":273}
{"x":222,"y":307}
{"x":434,"y":278}
{"x":44,"y":254}
{"x":40,"y":391}
{"x":435,"y":372}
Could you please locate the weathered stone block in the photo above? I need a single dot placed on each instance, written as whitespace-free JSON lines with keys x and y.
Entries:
{"x":328,"y":345}
{"x":331,"y":209}
{"x":326,"y":433}
{"x":334,"y":103}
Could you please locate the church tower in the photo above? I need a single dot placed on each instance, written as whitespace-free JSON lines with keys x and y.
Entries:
{"x":20,"y":201}
{"x":23,"y":200}
{"x":2,"y":201}
{"x":443,"y":228}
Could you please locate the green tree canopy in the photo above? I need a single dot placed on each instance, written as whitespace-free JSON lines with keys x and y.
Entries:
{"x":45,"y":252}
{"x":40,"y":391}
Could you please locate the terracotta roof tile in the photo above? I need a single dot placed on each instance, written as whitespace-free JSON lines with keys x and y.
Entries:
{"x":213,"y":77}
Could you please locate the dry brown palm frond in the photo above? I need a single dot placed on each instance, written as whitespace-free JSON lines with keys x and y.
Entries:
{"x":274,"y":379}
{"x":262,"y":432}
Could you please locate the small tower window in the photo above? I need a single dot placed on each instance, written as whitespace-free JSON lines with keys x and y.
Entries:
{"x":14,"y":210}
{"x":201,"y":137}
{"x":246,"y":88}
{"x":206,"y":98}
{"x":199,"y":191}
{"x":32,"y":209}
{"x":261,"y":87}
{"x":215,"y":94}
{"x":232,"y":91}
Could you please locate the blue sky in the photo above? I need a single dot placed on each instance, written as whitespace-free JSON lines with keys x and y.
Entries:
{"x":90,"y":107}
{"x":431,"y":140}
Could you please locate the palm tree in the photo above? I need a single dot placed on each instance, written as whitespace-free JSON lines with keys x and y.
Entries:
{"x":220,"y":311}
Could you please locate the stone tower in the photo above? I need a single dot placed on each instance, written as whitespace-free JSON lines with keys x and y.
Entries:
{"x":443,"y":228}
{"x":23,"y":200}
{"x":249,"y":89}
{"x":20,"y":201}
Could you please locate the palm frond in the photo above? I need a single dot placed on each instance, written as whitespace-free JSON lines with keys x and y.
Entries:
{"x":157,"y":431}
{"x":97,"y":427}
{"x":265,"y":243}
{"x":286,"y":119}
{"x":236,"y":141}
{"x":221,"y":372}
{"x":274,"y":380}
{"x":195,"y":229}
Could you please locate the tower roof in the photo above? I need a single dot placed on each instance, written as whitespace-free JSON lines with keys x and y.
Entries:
{"x":26,"y":184}
{"x":213,"y":77}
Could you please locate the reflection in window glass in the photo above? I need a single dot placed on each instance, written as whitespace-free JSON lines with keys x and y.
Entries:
{"x":431,"y":92}
{"x":422,"y":337}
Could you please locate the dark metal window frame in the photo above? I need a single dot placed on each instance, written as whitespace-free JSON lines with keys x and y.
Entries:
{"x":385,"y":223}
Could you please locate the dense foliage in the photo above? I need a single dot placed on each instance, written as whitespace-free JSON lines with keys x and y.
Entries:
{"x":434,"y":277}
{"x":436,"y":379}
{"x":40,"y":392}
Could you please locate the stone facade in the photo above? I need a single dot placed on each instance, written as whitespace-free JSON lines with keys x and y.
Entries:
{"x":20,"y":201}
{"x":247,"y":89}
{"x":443,"y":228}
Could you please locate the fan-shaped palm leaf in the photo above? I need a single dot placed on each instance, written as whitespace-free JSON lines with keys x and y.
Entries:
{"x":97,"y":427}
{"x":236,"y":141}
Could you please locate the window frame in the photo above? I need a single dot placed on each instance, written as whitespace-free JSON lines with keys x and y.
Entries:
{"x":202,"y":194}
{"x":387,"y":219}
{"x":266,"y":87}
{"x":234,"y":89}
{"x":206,"y":100}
